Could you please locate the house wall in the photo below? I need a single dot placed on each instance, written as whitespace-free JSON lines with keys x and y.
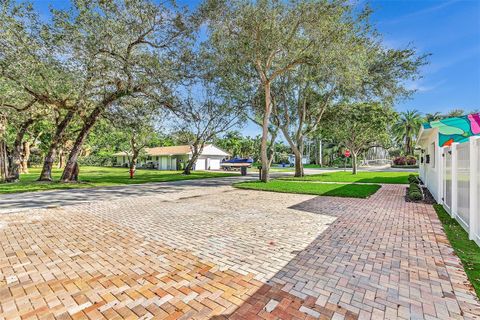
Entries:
{"x":461,"y":196}
{"x":430,"y":172}
{"x":211,"y":150}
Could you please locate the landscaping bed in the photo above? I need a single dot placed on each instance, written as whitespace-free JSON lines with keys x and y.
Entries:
{"x":416,"y":192}
{"x":415,"y":166}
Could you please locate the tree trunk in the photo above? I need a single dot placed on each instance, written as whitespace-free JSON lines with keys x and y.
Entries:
{"x":17,"y":153}
{"x":61,"y":159}
{"x":133,"y":163}
{"x":297,"y":148}
{"x":197,"y":150}
{"x":69,"y":171}
{"x":408,"y":142}
{"x":135,"y":153}
{"x":298,"y":163}
{"x":25,"y":157}
{"x":271,"y":158}
{"x":264,"y":142}
{"x":3,"y":150}
{"x":46,"y":174}
{"x":354,"y":163}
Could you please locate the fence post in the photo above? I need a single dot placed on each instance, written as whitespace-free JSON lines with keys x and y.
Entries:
{"x":440,"y":166}
{"x":474,"y":176}
{"x":454,"y":208}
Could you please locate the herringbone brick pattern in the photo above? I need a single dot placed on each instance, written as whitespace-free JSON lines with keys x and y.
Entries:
{"x":238,"y":254}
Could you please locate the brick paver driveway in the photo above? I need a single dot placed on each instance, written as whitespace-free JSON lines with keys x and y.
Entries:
{"x":213,"y":253}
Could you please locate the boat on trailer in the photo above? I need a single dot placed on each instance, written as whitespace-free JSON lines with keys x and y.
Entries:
{"x":235,"y":163}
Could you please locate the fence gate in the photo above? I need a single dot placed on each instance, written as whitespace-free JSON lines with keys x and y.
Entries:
{"x":463,"y":178}
{"x":447,"y":179}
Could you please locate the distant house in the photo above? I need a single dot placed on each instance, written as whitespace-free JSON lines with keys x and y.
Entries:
{"x":175,"y":157}
{"x":305,"y":159}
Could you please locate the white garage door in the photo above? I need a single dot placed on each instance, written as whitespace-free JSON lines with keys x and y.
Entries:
{"x":200,"y":164}
{"x":214,"y":164}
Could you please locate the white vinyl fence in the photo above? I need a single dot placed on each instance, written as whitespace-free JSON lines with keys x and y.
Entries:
{"x":461,"y":184}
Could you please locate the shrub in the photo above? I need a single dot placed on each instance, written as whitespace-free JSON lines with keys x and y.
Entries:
{"x":414,"y":192}
{"x":400,"y":161}
{"x":415,"y":196}
{"x":413,"y":179}
{"x":411,"y":160}
{"x":414,"y":186}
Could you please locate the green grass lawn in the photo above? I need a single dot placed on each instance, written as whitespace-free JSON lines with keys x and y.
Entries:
{"x":319,"y":189}
{"x":102,"y":176}
{"x":466,"y":250}
{"x":361,"y":176}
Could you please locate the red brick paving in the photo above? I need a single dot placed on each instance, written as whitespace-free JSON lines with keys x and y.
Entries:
{"x":382,"y":258}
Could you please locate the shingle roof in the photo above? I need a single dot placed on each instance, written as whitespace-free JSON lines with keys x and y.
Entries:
{"x":163,"y":151}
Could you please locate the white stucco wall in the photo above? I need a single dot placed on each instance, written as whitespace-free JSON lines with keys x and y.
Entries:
{"x":430,"y":173}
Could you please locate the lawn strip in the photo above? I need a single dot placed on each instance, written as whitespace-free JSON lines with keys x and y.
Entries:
{"x":91,"y":177}
{"x":362,"y":176}
{"x":467,"y":250}
{"x":320,"y":189}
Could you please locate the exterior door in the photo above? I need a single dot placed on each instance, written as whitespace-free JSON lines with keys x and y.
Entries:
{"x":164,"y":163}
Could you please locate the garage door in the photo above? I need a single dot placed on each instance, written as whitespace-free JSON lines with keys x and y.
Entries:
{"x":214,"y":164}
{"x":200,"y":164}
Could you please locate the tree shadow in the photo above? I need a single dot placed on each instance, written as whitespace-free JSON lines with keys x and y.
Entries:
{"x":361,"y":264}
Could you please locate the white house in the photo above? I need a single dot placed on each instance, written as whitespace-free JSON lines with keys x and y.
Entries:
{"x":305,"y":159}
{"x":450,"y":167}
{"x":174,"y":157}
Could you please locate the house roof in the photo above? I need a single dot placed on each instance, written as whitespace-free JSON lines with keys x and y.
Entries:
{"x":176,"y":150}
{"x":450,"y":130}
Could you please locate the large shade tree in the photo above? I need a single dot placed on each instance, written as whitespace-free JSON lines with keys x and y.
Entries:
{"x":254,"y":43}
{"x":360,"y":69}
{"x":203,"y":120}
{"x":35,"y":68}
{"x":359,"y":127}
{"x":127,"y":48}
{"x":257,"y":45}
{"x":137,"y":121}
{"x":90,"y":56}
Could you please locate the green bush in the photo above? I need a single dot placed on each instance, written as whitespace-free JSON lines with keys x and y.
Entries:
{"x":414,"y":192}
{"x":413,"y":179}
{"x":415,"y":196}
{"x":414,"y":186}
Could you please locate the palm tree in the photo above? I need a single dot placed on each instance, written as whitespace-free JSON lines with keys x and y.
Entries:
{"x":406,"y":128}
{"x":433,"y":116}
{"x":455,"y":113}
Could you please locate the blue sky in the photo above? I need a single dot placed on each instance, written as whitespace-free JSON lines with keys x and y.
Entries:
{"x":448,"y":30}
